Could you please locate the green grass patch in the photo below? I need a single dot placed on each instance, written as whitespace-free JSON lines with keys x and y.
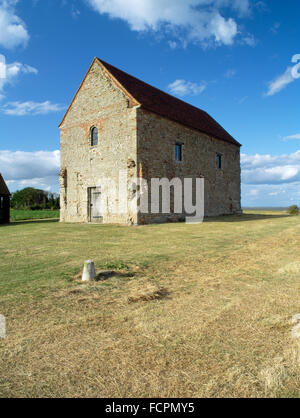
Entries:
{"x":25,"y":215}
{"x":187,"y":311}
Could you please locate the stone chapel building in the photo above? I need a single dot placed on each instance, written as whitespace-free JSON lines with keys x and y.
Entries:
{"x":117,"y":123}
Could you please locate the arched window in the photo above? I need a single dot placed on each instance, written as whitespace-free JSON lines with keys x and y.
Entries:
{"x":94,"y":136}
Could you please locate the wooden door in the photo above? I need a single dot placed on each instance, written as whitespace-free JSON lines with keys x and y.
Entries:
{"x":94,"y":199}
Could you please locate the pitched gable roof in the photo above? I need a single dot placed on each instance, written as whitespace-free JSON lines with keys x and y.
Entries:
{"x":163,"y":104}
{"x":168,"y":106}
{"x":3,"y":187}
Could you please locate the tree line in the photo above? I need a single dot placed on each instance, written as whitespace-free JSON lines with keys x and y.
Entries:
{"x":34,"y":199}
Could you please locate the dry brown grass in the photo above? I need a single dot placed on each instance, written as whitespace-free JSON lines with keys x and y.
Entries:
{"x":215,"y":321}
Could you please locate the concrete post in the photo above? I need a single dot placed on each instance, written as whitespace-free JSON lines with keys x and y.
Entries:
{"x":89,"y":272}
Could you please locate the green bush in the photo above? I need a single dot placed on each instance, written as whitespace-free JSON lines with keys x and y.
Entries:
{"x":36,"y":207}
{"x":34,"y":199}
{"x":293,"y":210}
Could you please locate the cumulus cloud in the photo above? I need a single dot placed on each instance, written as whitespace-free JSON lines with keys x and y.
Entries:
{"x":186,"y":88}
{"x":30,"y":169}
{"x":289,"y":76}
{"x":287,"y":138}
{"x":268,"y":169}
{"x":31,"y":108}
{"x":10,"y":72}
{"x":271,"y":195}
{"x":194,"y":20}
{"x":269,"y":180}
{"x":13,"y":31}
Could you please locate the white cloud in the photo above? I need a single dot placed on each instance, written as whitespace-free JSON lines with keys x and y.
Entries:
{"x":192,"y":20}
{"x":249,"y":40}
{"x":49,"y":184}
{"x":271,"y":195}
{"x":10,"y":72}
{"x":184,"y":88}
{"x":289,"y":76}
{"x":276,"y":179}
{"x":13,"y":31}
{"x":31,"y":108}
{"x":268,"y":169}
{"x":24,"y":169}
{"x":287,"y":138}
{"x":280,"y":82}
{"x":254,"y":192}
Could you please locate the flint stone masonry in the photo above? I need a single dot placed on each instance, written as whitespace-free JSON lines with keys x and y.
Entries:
{"x":102,"y":104}
{"x":141,"y":143}
{"x":157,"y":137}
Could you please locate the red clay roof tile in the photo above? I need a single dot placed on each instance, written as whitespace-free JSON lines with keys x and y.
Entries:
{"x":163,"y":104}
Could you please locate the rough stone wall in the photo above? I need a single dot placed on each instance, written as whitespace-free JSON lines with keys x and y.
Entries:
{"x":157,"y":137}
{"x":141,"y":144}
{"x":102,"y":104}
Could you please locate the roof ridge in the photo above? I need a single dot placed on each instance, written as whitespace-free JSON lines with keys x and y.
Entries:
{"x":160,"y":102}
{"x":177,"y":110}
{"x":153,"y":87}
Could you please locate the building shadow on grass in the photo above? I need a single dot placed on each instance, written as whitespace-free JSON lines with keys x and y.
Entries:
{"x":31,"y":221}
{"x":226,"y":218}
{"x":246,"y":217}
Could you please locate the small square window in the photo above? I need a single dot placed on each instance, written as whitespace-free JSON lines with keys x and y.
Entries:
{"x":219,"y":161}
{"x":178,"y":152}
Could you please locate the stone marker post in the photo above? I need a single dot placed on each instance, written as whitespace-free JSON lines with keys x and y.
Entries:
{"x":89,"y":272}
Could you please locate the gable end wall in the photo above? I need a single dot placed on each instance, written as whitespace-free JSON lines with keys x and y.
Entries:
{"x":100,"y":103}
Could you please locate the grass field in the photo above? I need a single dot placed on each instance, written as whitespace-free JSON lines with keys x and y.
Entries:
{"x":188,"y":310}
{"x":22,"y":215}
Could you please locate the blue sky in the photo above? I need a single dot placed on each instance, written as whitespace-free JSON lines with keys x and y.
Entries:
{"x":230,"y":58}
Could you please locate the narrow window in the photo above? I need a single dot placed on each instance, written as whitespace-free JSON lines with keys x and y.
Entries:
{"x":94,"y":136}
{"x":178,"y":152}
{"x":219,"y":161}
{"x":1,"y":202}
